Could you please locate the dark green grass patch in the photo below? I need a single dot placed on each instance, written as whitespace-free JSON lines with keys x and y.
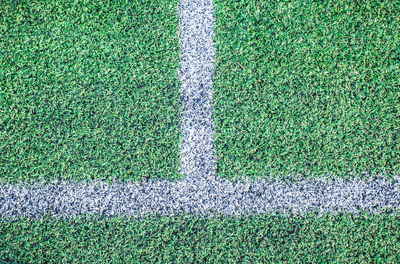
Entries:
{"x":88,"y":89}
{"x":343,"y":238}
{"x":319,"y":93}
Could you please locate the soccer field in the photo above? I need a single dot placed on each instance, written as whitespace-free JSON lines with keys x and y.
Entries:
{"x":205,"y":131}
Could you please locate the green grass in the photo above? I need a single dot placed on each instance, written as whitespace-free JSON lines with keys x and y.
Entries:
{"x":88,"y":89}
{"x":320,"y":92}
{"x":329,"y":238}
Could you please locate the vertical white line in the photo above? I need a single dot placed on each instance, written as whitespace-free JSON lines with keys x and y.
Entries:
{"x":196,"y":26}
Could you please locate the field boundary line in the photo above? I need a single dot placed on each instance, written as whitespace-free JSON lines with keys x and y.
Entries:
{"x":196,"y":25}
{"x":204,"y":197}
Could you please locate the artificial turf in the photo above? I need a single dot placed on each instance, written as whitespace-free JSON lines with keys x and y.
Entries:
{"x":307,"y":88}
{"x":89,"y":89}
{"x":341,"y":238}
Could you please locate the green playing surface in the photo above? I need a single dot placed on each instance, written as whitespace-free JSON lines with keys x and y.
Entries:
{"x":187,"y":239}
{"x":89,"y":89}
{"x":319,"y":92}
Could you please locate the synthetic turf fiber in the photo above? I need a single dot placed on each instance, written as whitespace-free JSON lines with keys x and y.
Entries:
{"x":89,"y":90}
{"x":319,"y":91}
{"x":341,"y":238}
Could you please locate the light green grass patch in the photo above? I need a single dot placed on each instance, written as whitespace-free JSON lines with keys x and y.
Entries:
{"x":320,"y":91}
{"x":329,"y":238}
{"x":89,"y":90}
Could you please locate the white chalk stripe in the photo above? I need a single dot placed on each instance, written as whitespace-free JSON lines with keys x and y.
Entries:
{"x":196,"y":24}
{"x":202,"y":196}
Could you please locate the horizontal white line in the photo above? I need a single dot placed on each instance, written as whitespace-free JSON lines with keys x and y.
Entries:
{"x":198,"y":195}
